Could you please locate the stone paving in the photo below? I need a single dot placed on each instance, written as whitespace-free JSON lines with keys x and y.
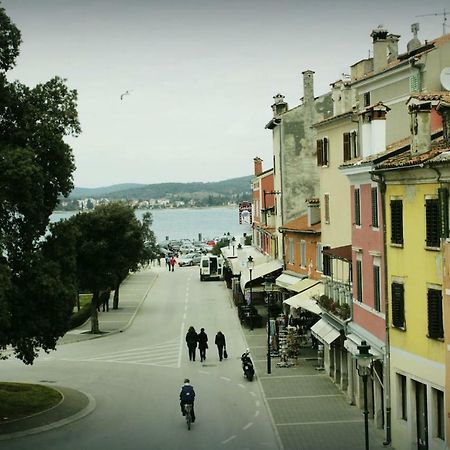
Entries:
{"x":308,"y":409}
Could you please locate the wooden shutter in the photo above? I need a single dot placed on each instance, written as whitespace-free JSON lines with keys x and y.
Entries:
{"x":432,"y":223}
{"x":320,"y":152}
{"x":374,"y":207}
{"x":398,"y":305}
{"x":325,"y":157}
{"x":443,"y":211}
{"x":435,"y":323}
{"x":347,"y":151}
{"x":357,"y":207}
{"x":397,"y":222}
{"x":359,"y":286}
{"x":376,"y":288}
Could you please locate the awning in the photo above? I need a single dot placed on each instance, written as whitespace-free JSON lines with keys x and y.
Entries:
{"x":259,"y":271}
{"x":303,"y":285}
{"x":351,"y":344}
{"x":323,"y":331}
{"x":286,"y":281}
{"x":304,"y":299}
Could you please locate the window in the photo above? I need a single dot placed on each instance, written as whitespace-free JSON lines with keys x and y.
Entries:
{"x":398,"y":305}
{"x":322,"y":152}
{"x":359,"y":286}
{"x":435,"y":322}
{"x":319,"y":257}
{"x":367,"y":99}
{"x":327,"y":267}
{"x":403,"y":397}
{"x":440,"y":414}
{"x":397,"y":222}
{"x":303,"y":253}
{"x":375,"y":223}
{"x":350,"y":145}
{"x":432,"y":222}
{"x":291,"y":259}
{"x":357,"y":207}
{"x":376,"y":288}
{"x":326,"y":202}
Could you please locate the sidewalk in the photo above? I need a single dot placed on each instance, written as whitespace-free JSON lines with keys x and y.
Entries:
{"x":76,"y":404}
{"x":308,"y":409}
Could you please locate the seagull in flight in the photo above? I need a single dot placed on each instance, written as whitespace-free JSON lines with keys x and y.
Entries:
{"x":123,"y":95}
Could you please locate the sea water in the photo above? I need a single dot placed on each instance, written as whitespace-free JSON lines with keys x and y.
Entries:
{"x":187,"y":223}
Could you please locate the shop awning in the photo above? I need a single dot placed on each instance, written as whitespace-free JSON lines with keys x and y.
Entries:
{"x":287,"y":281}
{"x":323,"y":331}
{"x":351,"y":344}
{"x":259,"y":271}
{"x":304,"y":299}
{"x":303,"y":285}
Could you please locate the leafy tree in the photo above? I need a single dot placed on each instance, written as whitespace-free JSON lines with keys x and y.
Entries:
{"x":110,"y":244}
{"x":36,"y":166}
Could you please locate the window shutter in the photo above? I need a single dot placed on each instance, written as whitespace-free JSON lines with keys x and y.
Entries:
{"x":326,"y":201}
{"x":320,"y":152}
{"x":347,"y":153}
{"x":376,"y":288}
{"x":359,"y":286}
{"x":374,"y":207}
{"x":443,"y":211}
{"x":397,"y":221}
{"x":398,"y":305}
{"x":433,"y":222}
{"x":357,"y":207}
{"x":435,"y":323}
{"x":325,"y":152}
{"x":354,"y":151}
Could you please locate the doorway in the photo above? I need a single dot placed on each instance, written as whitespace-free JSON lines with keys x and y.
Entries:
{"x":421,"y":416}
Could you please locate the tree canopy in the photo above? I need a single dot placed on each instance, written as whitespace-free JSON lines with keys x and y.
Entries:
{"x":36,"y":166}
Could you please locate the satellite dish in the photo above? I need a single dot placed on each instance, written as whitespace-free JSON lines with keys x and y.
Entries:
{"x":445,"y":78}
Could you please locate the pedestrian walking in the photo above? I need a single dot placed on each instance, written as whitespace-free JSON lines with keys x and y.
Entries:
{"x":168,"y":262}
{"x":202,"y":339}
{"x":104,"y":299}
{"x":221,"y":344}
{"x":191,"y":341}
{"x":173,"y":261}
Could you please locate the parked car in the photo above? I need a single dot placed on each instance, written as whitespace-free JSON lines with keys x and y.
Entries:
{"x":191,"y":259}
{"x":187,"y":248}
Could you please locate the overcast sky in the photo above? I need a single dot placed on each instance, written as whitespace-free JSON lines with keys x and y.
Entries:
{"x":201,"y":74}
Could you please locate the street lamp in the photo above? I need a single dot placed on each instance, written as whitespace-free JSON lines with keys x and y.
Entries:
{"x":268,"y":287}
{"x":233,"y":240}
{"x":363,"y":363}
{"x":250,"y":265}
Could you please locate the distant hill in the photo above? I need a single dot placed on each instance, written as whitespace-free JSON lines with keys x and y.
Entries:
{"x":234,"y":187}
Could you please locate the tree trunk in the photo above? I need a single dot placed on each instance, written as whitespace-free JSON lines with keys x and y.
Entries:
{"x":94,"y":313}
{"x":116,"y":296}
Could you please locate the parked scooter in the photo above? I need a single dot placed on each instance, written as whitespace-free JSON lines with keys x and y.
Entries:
{"x":247,"y":365}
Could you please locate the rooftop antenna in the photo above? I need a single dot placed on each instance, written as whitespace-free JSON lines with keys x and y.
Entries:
{"x":444,"y":22}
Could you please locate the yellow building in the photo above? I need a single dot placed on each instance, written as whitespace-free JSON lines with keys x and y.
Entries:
{"x":416,"y":204}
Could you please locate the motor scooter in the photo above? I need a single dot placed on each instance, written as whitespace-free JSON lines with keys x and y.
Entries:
{"x":247,"y":366}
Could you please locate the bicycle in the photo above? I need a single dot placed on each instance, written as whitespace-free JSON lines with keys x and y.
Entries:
{"x":188,"y":414}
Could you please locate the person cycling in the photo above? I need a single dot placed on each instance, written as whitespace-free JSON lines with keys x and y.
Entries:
{"x":187,"y":396}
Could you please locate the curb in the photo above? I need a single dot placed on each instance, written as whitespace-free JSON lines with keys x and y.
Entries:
{"x":91,"y":404}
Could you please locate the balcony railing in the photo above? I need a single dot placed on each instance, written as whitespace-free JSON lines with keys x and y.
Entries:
{"x":336,"y":299}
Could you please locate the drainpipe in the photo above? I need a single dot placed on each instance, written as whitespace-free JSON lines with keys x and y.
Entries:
{"x":387,"y":354}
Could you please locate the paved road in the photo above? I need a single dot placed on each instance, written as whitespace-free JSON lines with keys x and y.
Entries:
{"x":135,"y":377}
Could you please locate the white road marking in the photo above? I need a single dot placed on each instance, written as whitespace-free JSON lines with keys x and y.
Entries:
{"x":246,"y":427}
{"x":257,"y":403}
{"x":241,"y":386}
{"x":229,"y":439}
{"x":257,"y":413}
{"x":252,"y":393}
{"x":226,"y":378}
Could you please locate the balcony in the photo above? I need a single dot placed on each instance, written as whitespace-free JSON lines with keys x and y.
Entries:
{"x":336,"y":299}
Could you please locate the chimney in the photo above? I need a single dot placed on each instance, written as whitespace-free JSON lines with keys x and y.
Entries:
{"x":420,"y":127}
{"x":392,"y":41}
{"x":373,"y":129}
{"x":443,"y":108}
{"x":279,"y":105}
{"x":313,"y":211}
{"x":414,"y":43}
{"x":257,"y":166}
{"x":380,"y":48}
{"x":341,"y":96}
{"x":308,"y":86}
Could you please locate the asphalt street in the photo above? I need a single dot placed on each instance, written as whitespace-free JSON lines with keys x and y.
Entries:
{"x":135,"y":376}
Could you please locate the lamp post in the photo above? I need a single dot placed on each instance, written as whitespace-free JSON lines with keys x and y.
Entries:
{"x":250,"y":265}
{"x":268,"y":287}
{"x":363,"y":362}
{"x":233,"y":240}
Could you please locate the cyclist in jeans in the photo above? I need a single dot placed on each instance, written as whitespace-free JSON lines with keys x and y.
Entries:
{"x":187,"y":396}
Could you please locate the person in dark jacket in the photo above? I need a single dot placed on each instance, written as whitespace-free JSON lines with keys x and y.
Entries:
{"x":187,"y":396}
{"x":220,"y":342}
{"x":191,"y":341}
{"x":202,"y":339}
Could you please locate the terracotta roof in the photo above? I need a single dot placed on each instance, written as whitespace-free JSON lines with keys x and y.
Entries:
{"x":344,"y":253}
{"x":301,"y":224}
{"x":431,"y":96}
{"x":332,"y":118}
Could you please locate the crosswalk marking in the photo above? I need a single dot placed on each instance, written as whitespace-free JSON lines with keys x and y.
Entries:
{"x":165,"y":354}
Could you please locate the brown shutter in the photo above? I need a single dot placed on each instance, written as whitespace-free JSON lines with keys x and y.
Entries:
{"x":347,"y":154}
{"x":320,"y":152}
{"x":325,"y":152}
{"x":398,"y":305}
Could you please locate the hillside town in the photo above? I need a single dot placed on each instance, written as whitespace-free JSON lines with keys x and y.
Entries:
{"x":351,"y":226}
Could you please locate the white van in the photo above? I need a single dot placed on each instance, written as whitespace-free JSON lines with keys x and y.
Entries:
{"x":211,"y":268}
